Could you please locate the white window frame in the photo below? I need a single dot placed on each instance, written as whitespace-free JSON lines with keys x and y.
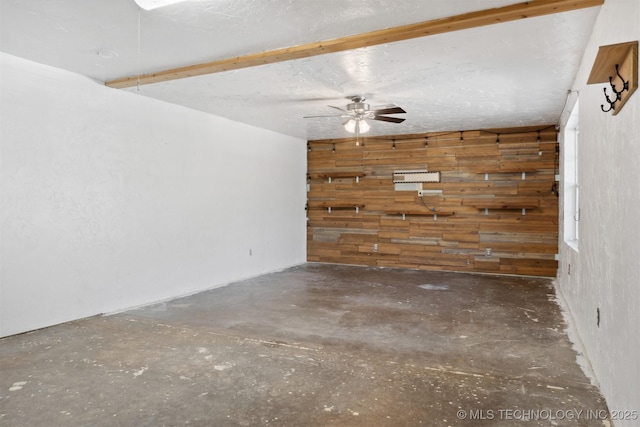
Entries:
{"x":571,"y":188}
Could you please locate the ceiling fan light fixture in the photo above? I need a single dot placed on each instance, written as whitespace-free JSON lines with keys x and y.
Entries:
{"x":350,"y":126}
{"x":359,"y":125}
{"x":155,"y":4}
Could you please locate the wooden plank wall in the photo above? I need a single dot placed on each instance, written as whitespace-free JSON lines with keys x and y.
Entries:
{"x":487,"y":178}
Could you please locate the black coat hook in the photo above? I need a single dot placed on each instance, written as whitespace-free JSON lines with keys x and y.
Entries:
{"x":625,"y":84}
{"x":618,"y":93}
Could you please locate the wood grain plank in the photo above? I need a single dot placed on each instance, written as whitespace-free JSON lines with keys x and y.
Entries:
{"x":389,"y":35}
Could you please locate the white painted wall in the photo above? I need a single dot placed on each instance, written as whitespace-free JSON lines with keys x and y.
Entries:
{"x":605,"y":271}
{"x":112,"y":200}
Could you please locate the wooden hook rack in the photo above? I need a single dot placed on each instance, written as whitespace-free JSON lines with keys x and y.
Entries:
{"x":617,"y":65}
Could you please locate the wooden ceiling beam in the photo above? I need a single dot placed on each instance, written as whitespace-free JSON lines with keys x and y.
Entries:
{"x":464,"y":21}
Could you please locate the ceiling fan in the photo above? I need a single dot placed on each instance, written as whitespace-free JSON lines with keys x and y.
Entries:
{"x":358,"y":112}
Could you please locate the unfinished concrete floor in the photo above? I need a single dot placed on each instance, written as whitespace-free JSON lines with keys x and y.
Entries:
{"x":314,"y":345}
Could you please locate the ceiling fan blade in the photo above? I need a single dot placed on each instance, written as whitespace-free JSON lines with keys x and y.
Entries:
{"x":337,"y":108}
{"x":390,"y":110}
{"x":388,"y":119}
{"x":383,"y":107}
{"x":326,"y":115}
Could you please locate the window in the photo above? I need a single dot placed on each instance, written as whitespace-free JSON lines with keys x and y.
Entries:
{"x":571,"y":187}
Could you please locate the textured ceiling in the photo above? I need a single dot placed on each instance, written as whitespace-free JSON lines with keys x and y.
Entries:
{"x":509,"y":74}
